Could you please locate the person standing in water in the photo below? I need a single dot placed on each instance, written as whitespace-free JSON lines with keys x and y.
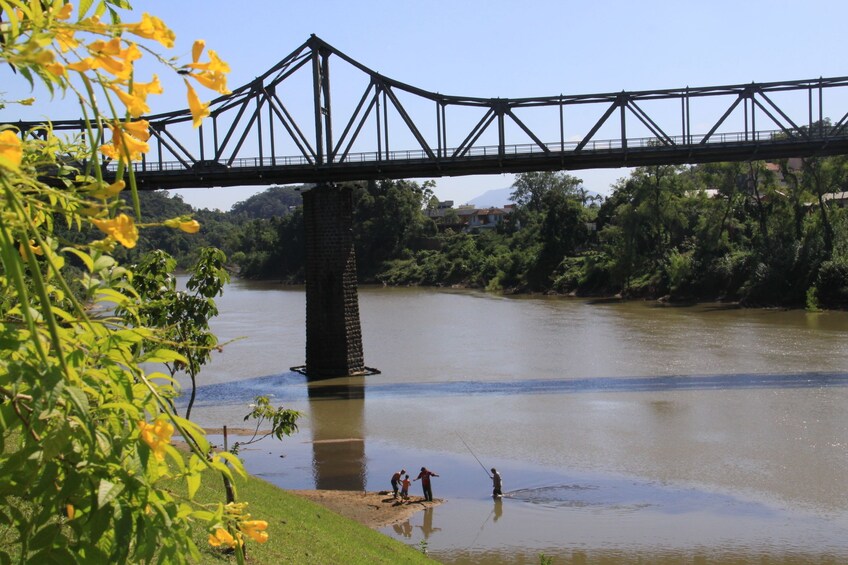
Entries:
{"x":425,"y":475}
{"x":496,"y":483}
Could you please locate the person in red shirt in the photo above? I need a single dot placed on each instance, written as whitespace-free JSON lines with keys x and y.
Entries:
{"x":425,"y":475}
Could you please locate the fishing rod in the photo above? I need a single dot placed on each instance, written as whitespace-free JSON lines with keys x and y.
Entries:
{"x":472,"y":454}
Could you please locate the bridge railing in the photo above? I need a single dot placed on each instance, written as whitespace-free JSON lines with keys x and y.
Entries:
{"x":482,"y":152}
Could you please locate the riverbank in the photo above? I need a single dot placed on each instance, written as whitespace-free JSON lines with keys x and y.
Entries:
{"x":301,"y":530}
{"x":371,"y":509}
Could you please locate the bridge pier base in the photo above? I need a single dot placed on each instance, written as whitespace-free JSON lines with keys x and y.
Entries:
{"x":333,"y":333}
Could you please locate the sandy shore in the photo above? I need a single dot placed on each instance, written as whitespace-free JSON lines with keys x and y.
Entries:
{"x":372,"y":509}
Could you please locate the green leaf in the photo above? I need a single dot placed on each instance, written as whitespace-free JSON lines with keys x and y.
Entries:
{"x":84,"y":7}
{"x":107,"y":492}
{"x":84,"y":257}
{"x":193,"y":482}
{"x":163,"y":356}
{"x":129,"y":409}
{"x":131,"y":336}
{"x":194,"y":432}
{"x":44,"y":537}
{"x":114,"y":296}
{"x":103,"y":262}
{"x":203,"y":515}
{"x":234,"y":461}
{"x":184,"y":511}
{"x":79,"y":398}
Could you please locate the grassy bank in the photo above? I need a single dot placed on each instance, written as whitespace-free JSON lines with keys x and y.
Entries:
{"x":301,"y":531}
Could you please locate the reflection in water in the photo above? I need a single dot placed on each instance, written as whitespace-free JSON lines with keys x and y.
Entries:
{"x":338,"y":444}
{"x":426,"y":526}
{"x":498,"y":508}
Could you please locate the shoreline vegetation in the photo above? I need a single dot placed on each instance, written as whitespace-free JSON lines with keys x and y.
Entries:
{"x":760,"y":234}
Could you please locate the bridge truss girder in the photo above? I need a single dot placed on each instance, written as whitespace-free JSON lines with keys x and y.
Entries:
{"x":241,"y":142}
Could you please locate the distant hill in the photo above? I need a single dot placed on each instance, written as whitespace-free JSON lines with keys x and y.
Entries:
{"x":498,"y":197}
{"x":277,"y":201}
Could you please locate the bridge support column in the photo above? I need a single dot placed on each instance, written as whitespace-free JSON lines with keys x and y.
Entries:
{"x":333,"y":333}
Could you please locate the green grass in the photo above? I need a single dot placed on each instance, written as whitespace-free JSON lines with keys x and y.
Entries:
{"x":300,"y":531}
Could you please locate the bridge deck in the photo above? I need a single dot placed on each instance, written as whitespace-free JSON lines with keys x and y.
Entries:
{"x":484,"y":160}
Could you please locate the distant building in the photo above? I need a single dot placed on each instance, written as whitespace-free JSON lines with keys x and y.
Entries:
{"x":467,"y":217}
{"x":486,"y":218}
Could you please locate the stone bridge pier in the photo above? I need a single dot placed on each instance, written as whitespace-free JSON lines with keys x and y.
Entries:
{"x":333,"y":333}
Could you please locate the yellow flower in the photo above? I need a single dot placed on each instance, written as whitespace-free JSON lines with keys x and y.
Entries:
{"x":188,"y":226}
{"x":198,"y":109}
{"x":139,"y":129}
{"x":56,"y":69}
{"x":255,"y":529}
{"x":197,"y":50}
{"x":65,"y":12}
{"x":81,"y":66}
{"x":32,"y":247}
{"x":213,"y":81}
{"x":126,"y":143}
{"x":66,"y":40}
{"x":93,"y":24}
{"x":136,"y":103}
{"x":11,"y":150}
{"x":130,"y":54}
{"x":221,"y":537}
{"x":122,"y":228}
{"x":108,"y":191}
{"x":213,"y":73}
{"x":103,"y":53}
{"x":144,"y":88}
{"x":151,"y":27}
{"x":191,"y":226}
{"x":235,"y":508}
{"x":109,"y":56}
{"x":215,"y":63}
{"x":157,"y":435}
{"x":135,"y":146}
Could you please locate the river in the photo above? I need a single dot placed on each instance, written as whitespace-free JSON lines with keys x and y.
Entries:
{"x":625,"y":432}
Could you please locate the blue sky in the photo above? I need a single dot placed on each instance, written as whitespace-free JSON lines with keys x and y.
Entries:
{"x":510,"y":49}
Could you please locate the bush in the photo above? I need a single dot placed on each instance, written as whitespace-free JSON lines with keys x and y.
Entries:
{"x":832,"y":284}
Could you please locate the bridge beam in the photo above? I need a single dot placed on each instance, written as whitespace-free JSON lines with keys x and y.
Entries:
{"x":333,"y":333}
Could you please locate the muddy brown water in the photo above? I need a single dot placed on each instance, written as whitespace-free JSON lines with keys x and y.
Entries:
{"x":625,"y":432}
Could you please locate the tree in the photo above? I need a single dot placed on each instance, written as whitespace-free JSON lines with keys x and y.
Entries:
{"x":562,"y":230}
{"x":387,"y":215}
{"x":529,"y":188}
{"x":181,"y":317}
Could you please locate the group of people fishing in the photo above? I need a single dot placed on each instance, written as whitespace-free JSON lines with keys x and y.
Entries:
{"x":401,"y":482}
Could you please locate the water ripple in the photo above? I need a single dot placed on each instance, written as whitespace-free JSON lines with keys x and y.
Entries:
{"x":293,"y":386}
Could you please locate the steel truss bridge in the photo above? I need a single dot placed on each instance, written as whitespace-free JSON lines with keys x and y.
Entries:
{"x":294,"y":125}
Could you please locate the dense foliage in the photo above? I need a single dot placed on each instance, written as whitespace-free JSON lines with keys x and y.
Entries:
{"x":86,"y":420}
{"x":760,"y":233}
